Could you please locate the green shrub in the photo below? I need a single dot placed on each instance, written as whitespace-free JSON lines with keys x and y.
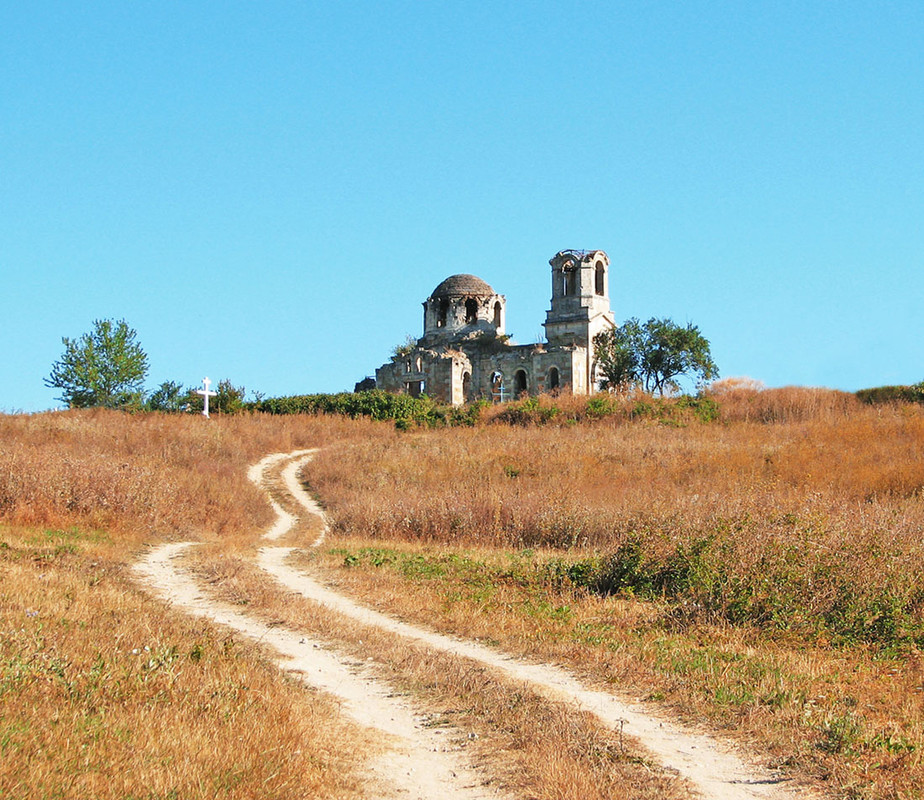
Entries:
{"x":701,"y":581}
{"x":892,"y":394}
{"x":406,"y":411}
{"x":529,"y":411}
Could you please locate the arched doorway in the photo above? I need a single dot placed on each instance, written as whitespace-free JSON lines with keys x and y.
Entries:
{"x":466,"y":386}
{"x":554,"y":379}
{"x":520,"y":382}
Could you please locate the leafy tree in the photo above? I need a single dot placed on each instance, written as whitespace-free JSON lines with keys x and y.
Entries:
{"x":653,"y":355}
{"x":228,"y":399}
{"x":169,"y":396}
{"x":105,"y":367}
{"x":618,"y":354}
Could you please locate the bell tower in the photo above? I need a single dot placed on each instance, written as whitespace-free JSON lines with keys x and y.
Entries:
{"x":580,"y":298}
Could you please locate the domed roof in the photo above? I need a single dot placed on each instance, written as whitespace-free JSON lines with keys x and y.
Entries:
{"x":456,"y":285}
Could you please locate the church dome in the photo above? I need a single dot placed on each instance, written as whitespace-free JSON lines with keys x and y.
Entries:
{"x":468,"y":285}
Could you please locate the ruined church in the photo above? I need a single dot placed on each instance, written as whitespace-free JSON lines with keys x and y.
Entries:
{"x":464,"y":353}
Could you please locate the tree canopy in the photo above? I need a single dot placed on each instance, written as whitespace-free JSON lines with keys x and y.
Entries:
{"x":652,"y":355}
{"x":105,"y":367}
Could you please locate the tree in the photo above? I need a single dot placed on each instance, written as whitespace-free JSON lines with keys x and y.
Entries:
{"x":618,"y":355}
{"x":653,"y":355}
{"x":169,"y":396}
{"x":105,"y":367}
{"x":228,"y":399}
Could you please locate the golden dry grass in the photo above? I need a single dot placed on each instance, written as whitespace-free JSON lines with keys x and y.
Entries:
{"x":148,"y":474}
{"x":814,"y":516}
{"x":848,"y":718}
{"x":473,"y":530}
{"x":532,"y":747}
{"x":797,"y":522}
{"x":105,"y":692}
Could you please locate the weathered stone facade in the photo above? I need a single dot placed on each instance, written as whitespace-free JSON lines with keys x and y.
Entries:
{"x":464,"y":352}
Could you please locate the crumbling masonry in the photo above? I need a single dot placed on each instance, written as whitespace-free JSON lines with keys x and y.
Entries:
{"x":464,"y":353}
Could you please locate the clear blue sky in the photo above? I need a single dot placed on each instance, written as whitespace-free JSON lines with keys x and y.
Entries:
{"x":267,"y":191}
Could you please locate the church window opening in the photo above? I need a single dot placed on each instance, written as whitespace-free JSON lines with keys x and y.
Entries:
{"x":554,"y":379}
{"x":497,"y":314}
{"x":570,"y":277}
{"x":599,"y":280}
{"x":441,"y":313}
{"x":466,"y":385}
{"x":417,"y":363}
{"x":471,"y":311}
{"x":519,"y":382}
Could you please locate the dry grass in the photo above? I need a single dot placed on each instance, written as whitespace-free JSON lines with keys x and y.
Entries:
{"x":797,"y":524}
{"x":533,"y":747}
{"x":849,"y":718}
{"x":795,"y":625}
{"x":149,"y":475}
{"x":801,"y":502}
{"x":106,"y":693}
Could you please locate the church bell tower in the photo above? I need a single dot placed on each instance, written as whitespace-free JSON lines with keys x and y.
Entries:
{"x":580,"y":298}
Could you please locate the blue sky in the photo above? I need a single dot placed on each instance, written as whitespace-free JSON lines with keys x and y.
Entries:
{"x":268,"y":191}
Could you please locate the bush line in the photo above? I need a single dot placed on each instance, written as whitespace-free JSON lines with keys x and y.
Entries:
{"x":786,"y":404}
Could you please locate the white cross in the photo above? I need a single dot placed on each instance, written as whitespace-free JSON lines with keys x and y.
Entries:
{"x":206,"y":394}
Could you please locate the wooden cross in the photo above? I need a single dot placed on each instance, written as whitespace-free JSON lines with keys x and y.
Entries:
{"x":206,"y":394}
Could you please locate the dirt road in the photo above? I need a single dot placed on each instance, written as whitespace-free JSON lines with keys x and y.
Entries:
{"x":417,"y":762}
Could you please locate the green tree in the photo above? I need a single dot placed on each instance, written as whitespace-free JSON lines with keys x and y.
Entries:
{"x":653,"y":355}
{"x":105,"y":367}
{"x":228,"y":399}
{"x":169,"y":396}
{"x":618,"y":355}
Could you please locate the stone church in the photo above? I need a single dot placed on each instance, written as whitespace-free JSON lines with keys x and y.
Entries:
{"x":464,"y":352}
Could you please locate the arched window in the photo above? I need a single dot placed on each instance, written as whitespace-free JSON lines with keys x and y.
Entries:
{"x":466,"y":386}
{"x":554,"y":379}
{"x":497,"y":314}
{"x":471,"y":311}
{"x":600,"y":279}
{"x":520,"y":382}
{"x":570,"y":282}
{"x":442,"y":313}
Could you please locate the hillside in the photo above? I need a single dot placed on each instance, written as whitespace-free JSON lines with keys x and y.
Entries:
{"x":756,"y":574}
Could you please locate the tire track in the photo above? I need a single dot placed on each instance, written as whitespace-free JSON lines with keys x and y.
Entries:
{"x":417,"y":762}
{"x":711,"y":767}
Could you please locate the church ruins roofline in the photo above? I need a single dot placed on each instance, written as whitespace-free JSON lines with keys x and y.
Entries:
{"x":463,"y":285}
{"x":582,"y":255}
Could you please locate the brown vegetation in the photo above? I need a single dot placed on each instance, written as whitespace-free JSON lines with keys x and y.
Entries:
{"x":778,"y":553}
{"x":530,"y":745}
{"x":106,"y":693}
{"x":761,"y":571}
{"x":812,"y":524}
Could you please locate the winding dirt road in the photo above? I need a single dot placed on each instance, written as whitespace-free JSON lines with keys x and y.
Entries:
{"x":417,"y":762}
